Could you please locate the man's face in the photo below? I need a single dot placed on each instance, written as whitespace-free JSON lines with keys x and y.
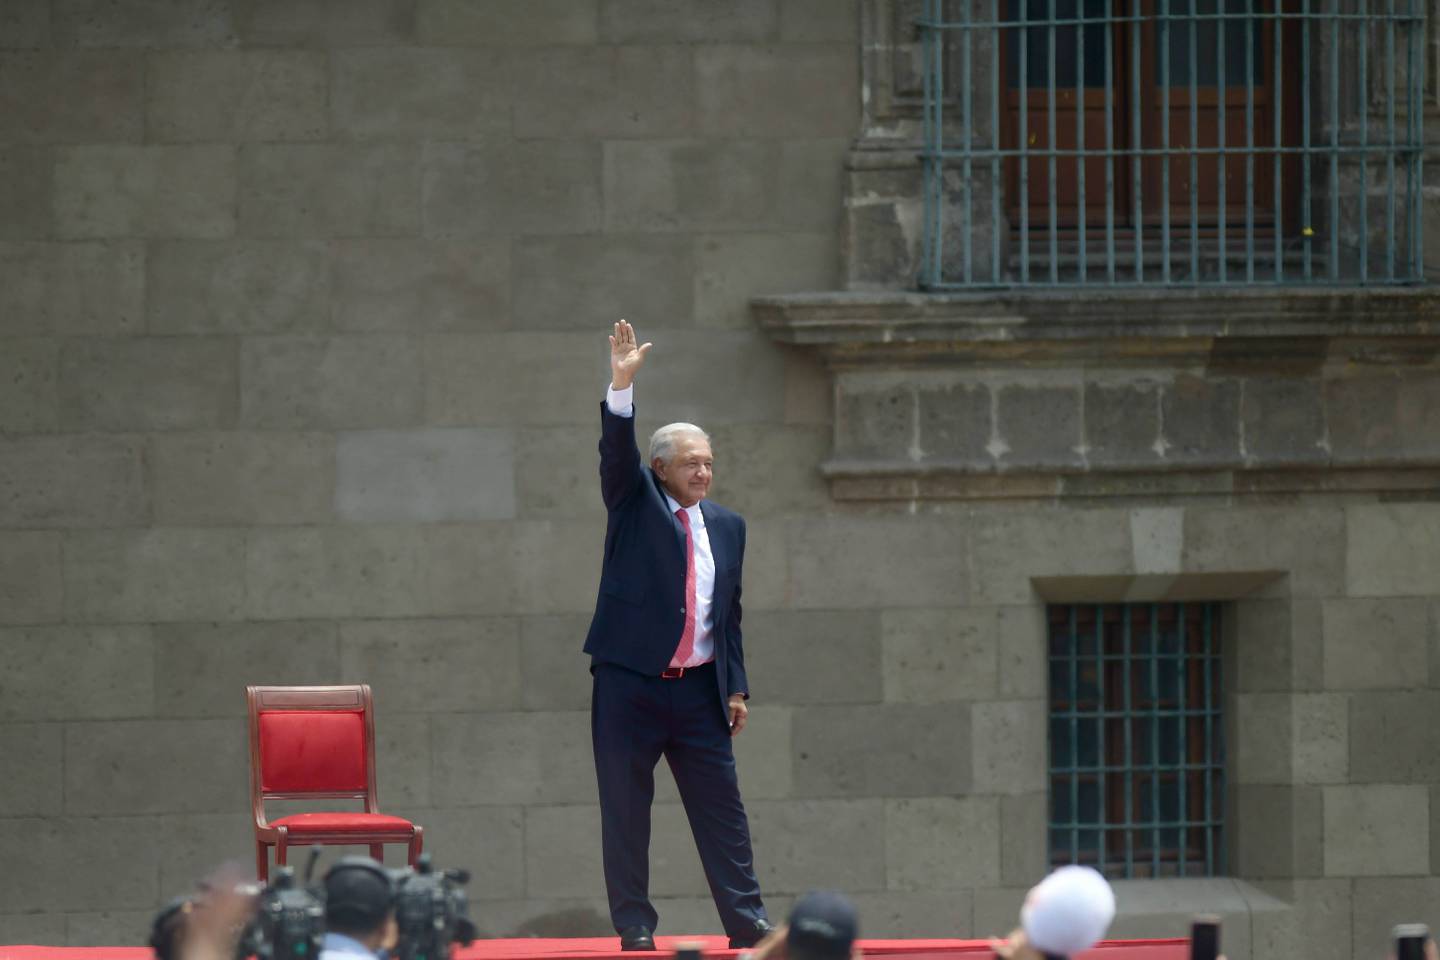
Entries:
{"x":686,"y":476}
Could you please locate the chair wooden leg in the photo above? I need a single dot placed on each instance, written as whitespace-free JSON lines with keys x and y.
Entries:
{"x":377,"y":852}
{"x":262,"y":862}
{"x":281,"y":849}
{"x":417,"y":845}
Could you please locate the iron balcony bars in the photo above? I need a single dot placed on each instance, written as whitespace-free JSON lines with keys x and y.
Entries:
{"x":1319,"y":130}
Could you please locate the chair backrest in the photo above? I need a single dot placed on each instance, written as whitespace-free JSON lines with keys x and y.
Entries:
{"x":311,"y":742}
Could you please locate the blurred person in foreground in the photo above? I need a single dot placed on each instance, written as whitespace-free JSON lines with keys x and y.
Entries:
{"x":1066,"y":913}
{"x":823,"y":926}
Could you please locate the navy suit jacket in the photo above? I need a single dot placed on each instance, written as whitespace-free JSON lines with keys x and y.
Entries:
{"x":639,"y":613}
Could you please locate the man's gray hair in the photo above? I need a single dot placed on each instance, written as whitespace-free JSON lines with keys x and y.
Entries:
{"x":662,"y":441}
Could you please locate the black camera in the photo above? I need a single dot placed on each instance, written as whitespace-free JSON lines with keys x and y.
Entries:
{"x":289,"y":922}
{"x":431,"y":910}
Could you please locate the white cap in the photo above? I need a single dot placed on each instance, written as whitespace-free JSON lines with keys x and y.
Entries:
{"x":1068,"y":911}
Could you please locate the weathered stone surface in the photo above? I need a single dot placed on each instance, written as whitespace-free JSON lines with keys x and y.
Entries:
{"x":202,"y":669}
{"x":1264,"y":738}
{"x":604,"y":276}
{"x":25,"y":25}
{"x":503,"y":186}
{"x":328,"y":190}
{"x":811,"y":183}
{"x":800,"y":841}
{"x":1377,"y":830}
{"x":243,"y":478}
{"x":1008,"y":548}
{"x":688,"y":21}
{"x":1419,"y":400}
{"x":420,"y":94}
{"x":1320,"y":722}
{"x":29,"y":401}
{"x":92,"y":863}
{"x":831,"y":563}
{"x":955,"y":423}
{"x":820,"y":21}
{"x":1008,"y":746}
{"x":731,"y":268}
{"x":940,"y":843}
{"x":402,"y":753}
{"x":513,"y":758}
{"x":565,"y":459}
{"x":876,"y":421}
{"x":508,"y":22}
{"x":1122,"y":423}
{"x":1375,"y":644}
{"x":798,"y":657}
{"x":236,"y":96}
{"x":71,"y":97}
{"x":765,"y":754}
{"x":540,"y":371}
{"x":97,"y":928}
{"x":72,"y":481}
{"x":237,"y":286}
{"x":554,"y":674}
{"x":71,"y":288}
{"x":32,"y":927}
{"x":424,"y":476}
{"x":1381,"y":903}
{"x":303,"y":572}
{"x":146,"y":23}
{"x":451,"y":665}
{"x":938,"y":655}
{"x":1037,"y":425}
{"x":1395,"y":737}
{"x":196,"y":843}
{"x":1022,"y":643}
{"x":894,"y":750}
{"x":412,"y":285}
{"x":151,"y":191}
{"x":778,"y":91}
{"x":1279,"y":832}
{"x":30,"y":579}
{"x":1282,"y":419}
{"x":351,"y":382}
{"x":1317,"y":923}
{"x":605,"y":92}
{"x":326,"y":23}
{"x":766,"y":471}
{"x":150,"y":383}
{"x":1362,"y":417}
{"x":1307,"y":542}
{"x":68,"y":673}
{"x":495,"y":837}
{"x":160,"y":574}
{"x":26,"y":189}
{"x":569,"y":864}
{"x":1024,"y":837}
{"x":211,"y":752}
{"x":1263,"y":641}
{"x":1392,"y":549}
{"x":691,"y":184}
{"x":1200,"y":420}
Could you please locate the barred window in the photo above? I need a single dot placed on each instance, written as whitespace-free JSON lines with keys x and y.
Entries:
{"x":1137,"y":745}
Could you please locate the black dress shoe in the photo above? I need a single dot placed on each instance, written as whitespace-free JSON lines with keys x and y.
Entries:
{"x":761,"y":929}
{"x":637,"y":938}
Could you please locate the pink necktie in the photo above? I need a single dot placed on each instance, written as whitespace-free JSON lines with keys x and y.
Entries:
{"x":686,"y":649}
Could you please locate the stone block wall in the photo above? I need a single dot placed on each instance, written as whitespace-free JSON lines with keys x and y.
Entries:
{"x":302,"y":310}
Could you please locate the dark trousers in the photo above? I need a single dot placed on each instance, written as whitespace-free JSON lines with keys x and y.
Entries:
{"x":634,"y":719}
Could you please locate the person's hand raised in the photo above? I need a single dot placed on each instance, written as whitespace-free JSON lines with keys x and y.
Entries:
{"x":625,"y":357}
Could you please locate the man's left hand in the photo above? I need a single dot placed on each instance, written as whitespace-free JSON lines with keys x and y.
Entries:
{"x":738,"y":713}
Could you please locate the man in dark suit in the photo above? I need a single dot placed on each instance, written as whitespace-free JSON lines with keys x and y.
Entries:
{"x":668,"y":666}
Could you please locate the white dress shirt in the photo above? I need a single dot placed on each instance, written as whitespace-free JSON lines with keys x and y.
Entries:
{"x":622,"y":404}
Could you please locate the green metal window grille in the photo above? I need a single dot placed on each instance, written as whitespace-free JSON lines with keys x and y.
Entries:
{"x":1172,"y":142}
{"x":1137,"y":742}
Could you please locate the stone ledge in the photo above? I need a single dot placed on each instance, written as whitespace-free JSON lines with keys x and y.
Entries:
{"x":1174,"y":324}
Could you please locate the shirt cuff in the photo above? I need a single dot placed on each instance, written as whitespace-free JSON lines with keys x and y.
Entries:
{"x":621,"y":402}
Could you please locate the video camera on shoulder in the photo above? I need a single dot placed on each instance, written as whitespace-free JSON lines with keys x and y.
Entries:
{"x":289,"y":922}
{"x":431,"y":910}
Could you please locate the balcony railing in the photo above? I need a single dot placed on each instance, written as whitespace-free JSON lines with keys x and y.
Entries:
{"x":1075,"y":143}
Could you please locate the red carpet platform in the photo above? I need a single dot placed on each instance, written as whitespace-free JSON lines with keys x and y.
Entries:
{"x":606,"y":948}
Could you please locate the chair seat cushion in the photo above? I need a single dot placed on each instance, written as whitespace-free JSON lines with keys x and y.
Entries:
{"x":300,"y":824}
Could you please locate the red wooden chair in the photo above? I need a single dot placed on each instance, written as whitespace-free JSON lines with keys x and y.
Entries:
{"x":317,"y":743}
